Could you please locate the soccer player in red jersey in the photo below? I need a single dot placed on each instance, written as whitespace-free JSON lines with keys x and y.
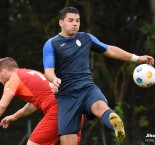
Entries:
{"x":33,"y":88}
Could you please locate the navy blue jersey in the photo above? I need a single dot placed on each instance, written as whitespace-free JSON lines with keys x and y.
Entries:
{"x":70,"y":58}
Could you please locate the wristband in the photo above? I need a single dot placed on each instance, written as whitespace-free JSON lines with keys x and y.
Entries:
{"x":134,"y":58}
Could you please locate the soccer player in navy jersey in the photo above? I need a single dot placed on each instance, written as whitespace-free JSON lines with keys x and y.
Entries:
{"x":66,"y":65}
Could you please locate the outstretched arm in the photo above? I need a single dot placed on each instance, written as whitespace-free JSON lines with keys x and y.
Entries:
{"x":117,"y":53}
{"x":26,"y":110}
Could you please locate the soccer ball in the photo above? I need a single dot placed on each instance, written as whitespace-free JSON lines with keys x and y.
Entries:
{"x":144,"y":75}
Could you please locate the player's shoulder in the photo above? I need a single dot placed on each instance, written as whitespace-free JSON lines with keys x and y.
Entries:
{"x":13,"y":81}
{"x":52,"y":38}
{"x":83,"y":34}
{"x":50,"y":41}
{"x":26,"y":70}
{"x":22,"y":72}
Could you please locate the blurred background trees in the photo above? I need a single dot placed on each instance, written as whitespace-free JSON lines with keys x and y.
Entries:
{"x":27,"y":24}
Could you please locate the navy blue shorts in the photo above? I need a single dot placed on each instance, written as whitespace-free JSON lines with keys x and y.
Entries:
{"x":72,"y":105}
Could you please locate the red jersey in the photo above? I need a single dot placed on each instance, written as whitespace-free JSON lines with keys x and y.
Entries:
{"x":31,"y":86}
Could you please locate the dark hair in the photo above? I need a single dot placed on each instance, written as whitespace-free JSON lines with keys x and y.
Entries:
{"x":63,"y":12}
{"x":8,"y":63}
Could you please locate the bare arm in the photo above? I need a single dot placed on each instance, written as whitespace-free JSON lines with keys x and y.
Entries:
{"x":120,"y":54}
{"x":26,"y":110}
{"x":4,"y":102}
{"x":117,"y":53}
{"x":10,"y":88}
{"x":50,"y":75}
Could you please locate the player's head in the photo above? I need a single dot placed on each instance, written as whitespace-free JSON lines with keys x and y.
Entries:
{"x":66,"y":10}
{"x":69,"y":21}
{"x":7,"y":65}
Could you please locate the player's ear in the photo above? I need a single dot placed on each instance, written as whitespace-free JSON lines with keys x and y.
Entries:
{"x":4,"y":72}
{"x":61,"y":23}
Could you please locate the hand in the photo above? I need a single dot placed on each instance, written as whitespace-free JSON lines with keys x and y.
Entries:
{"x":55,"y":85}
{"x":6,"y":121}
{"x":146,"y":59}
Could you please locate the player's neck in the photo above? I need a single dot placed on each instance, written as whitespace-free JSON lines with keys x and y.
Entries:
{"x":66,"y":35}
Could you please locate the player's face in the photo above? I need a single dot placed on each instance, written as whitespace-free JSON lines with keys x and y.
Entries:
{"x":70,"y":24}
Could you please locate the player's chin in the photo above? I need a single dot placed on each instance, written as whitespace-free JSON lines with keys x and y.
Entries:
{"x":73,"y":32}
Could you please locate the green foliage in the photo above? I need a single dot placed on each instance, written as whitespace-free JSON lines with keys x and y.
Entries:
{"x":142,"y":143}
{"x":149,"y":30}
{"x":139,"y":108}
{"x":143,"y":122}
{"x":95,"y":140}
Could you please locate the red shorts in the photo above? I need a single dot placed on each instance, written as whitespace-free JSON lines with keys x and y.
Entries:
{"x":46,"y":132}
